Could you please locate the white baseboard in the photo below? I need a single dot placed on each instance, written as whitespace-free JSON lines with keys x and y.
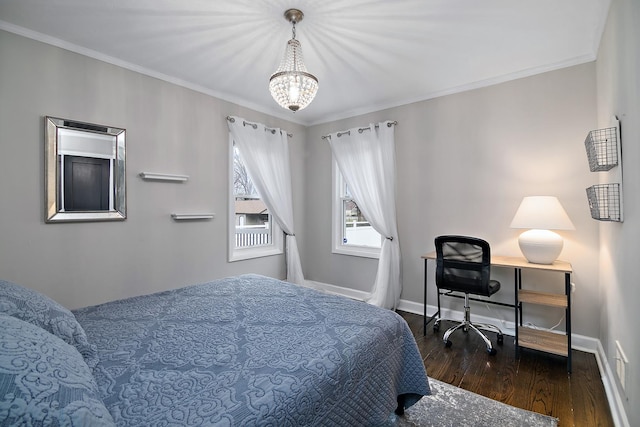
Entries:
{"x":613,"y":395}
{"x":578,"y":342}
{"x":337,"y":290}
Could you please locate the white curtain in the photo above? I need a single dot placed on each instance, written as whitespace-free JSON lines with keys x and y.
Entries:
{"x":265,"y":153}
{"x":366,"y":158}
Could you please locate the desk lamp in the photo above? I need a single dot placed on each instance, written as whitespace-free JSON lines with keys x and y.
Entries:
{"x":541,"y":214}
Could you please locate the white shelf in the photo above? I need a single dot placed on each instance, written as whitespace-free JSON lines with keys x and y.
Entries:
{"x":192,"y":217}
{"x":152,"y":176}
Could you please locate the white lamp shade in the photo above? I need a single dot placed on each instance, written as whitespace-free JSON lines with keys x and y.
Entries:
{"x":540,"y":214}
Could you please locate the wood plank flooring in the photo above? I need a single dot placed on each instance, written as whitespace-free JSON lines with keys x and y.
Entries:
{"x":535,"y":381}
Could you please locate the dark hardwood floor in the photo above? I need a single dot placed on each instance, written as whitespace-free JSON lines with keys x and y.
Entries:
{"x":535,"y":381}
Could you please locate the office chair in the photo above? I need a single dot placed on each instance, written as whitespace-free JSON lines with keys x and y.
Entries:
{"x":463,"y":264}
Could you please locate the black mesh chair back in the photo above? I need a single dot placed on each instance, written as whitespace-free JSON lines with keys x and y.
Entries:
{"x":464,"y":264}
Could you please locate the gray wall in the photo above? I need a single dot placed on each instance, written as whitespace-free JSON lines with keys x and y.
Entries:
{"x":465,"y":162}
{"x":619,"y":94}
{"x":170,"y":129}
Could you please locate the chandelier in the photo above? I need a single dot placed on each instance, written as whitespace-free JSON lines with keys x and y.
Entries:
{"x":291,"y":85}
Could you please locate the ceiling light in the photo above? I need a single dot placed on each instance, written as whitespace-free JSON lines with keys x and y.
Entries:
{"x":291,"y":85}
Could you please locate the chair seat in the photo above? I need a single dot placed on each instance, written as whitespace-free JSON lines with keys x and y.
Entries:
{"x":474,"y":289}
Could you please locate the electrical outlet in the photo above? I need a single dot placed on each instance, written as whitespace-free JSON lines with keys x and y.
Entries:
{"x":621,"y":365}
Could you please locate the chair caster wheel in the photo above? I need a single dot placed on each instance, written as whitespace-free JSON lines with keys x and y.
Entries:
{"x":500,"y":339}
{"x":436,"y":328}
{"x":448,"y":343}
{"x":492,"y":351}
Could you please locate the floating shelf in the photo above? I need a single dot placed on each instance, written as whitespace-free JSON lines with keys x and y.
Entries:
{"x":604,"y":202}
{"x":602,"y":149}
{"x":151,"y":176}
{"x":193,"y":217}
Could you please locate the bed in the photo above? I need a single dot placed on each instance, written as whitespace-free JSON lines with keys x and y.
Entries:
{"x":240,"y":351}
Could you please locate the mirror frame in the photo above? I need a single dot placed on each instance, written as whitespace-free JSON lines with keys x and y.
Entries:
{"x":53,"y":179}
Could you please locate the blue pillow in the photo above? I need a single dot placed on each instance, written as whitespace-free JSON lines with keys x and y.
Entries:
{"x":45,"y":381}
{"x":40,"y":310}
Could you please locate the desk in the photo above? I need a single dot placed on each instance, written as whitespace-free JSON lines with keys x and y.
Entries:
{"x":535,"y":339}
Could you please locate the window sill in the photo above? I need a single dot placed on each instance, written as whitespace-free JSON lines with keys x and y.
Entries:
{"x":250,"y":253}
{"x":359,"y":251}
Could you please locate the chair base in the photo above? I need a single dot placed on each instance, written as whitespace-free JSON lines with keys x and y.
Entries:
{"x":467,"y":325}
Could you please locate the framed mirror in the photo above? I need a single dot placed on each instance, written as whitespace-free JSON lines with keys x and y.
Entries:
{"x":84,"y":171}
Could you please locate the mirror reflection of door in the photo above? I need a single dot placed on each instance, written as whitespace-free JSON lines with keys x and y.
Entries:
{"x":86,"y":183}
{"x":86,"y":162}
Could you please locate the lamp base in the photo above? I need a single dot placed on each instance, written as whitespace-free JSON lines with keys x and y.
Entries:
{"x":540,"y":246}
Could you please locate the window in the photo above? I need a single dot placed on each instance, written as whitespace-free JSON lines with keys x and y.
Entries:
{"x":252,"y":231}
{"x":352,"y":233}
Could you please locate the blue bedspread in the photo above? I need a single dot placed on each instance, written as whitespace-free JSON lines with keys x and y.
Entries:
{"x":251,"y":350}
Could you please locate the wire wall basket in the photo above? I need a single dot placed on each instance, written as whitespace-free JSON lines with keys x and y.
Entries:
{"x":604,"y":202}
{"x":602,"y":149}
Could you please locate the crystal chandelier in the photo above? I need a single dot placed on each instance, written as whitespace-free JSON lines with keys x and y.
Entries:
{"x":291,"y":85}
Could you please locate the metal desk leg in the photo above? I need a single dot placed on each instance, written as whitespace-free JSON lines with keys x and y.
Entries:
{"x":437,"y":313}
{"x":567,"y":286}
{"x":517,"y":318}
{"x":424,"y":317}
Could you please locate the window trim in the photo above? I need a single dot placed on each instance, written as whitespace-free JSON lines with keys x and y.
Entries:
{"x":238,"y":254}
{"x":337,"y":247}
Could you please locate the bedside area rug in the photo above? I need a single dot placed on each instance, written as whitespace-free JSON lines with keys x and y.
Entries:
{"x":452,"y":406}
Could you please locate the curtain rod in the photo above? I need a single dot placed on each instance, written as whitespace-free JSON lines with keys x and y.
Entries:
{"x":255,"y":126}
{"x":360,"y":130}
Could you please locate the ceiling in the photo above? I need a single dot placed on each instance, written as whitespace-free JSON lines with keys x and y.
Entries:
{"x":367,"y":54}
